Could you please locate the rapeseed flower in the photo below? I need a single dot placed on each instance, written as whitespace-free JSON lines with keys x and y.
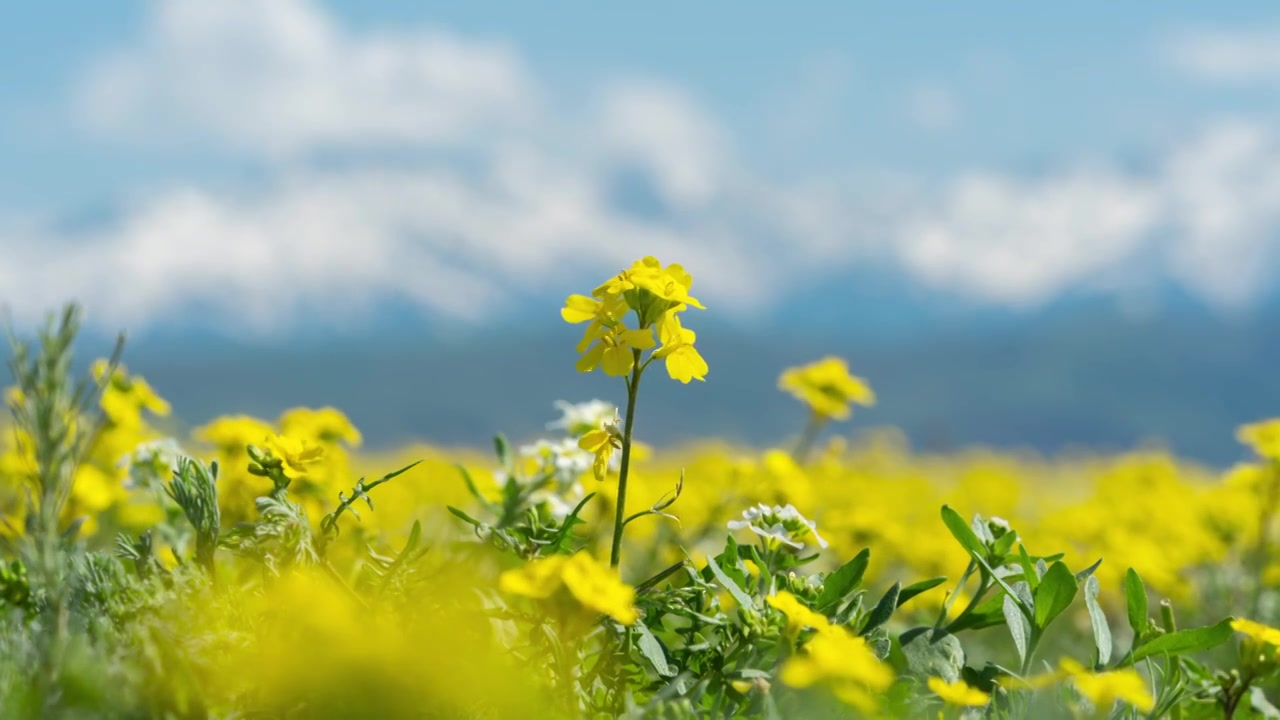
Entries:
{"x":601,"y":443}
{"x":799,"y":616}
{"x":593,"y":585}
{"x":654,"y":294}
{"x":683,"y":361}
{"x":845,"y":662}
{"x":614,"y":350}
{"x":958,"y":692}
{"x":295,"y":454}
{"x":1263,"y":437}
{"x":827,"y":387}
{"x":1105,"y":688}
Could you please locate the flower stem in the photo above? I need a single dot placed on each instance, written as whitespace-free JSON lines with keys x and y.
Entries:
{"x":619,"y":521}
{"x":809,"y":436}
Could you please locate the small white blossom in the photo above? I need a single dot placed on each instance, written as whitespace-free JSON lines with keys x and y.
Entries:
{"x":580,"y":418}
{"x":783,"y":524}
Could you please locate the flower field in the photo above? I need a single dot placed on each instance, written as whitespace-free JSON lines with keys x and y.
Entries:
{"x":269,"y":567}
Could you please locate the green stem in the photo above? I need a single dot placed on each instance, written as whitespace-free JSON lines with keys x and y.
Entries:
{"x":809,"y":436}
{"x":620,"y":510}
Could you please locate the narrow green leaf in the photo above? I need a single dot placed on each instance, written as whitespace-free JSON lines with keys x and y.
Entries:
{"x":463,"y":516}
{"x":843,"y":581}
{"x":961,"y":531}
{"x":1054,"y":595}
{"x":883,"y":610}
{"x":1135,"y":599}
{"x":917,"y":588}
{"x":735,"y":591}
{"x":1097,"y":618}
{"x":1185,"y":641}
{"x":471,"y":486}
{"x":1088,"y":572}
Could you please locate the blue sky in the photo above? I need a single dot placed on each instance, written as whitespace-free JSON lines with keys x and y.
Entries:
{"x":266,"y":161}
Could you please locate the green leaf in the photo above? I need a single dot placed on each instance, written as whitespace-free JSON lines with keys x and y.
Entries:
{"x":735,"y":591}
{"x":1018,"y":626}
{"x":883,"y":610}
{"x":652,"y":650}
{"x":1028,"y":567}
{"x":931,"y":652}
{"x":571,"y":520}
{"x":1135,"y":600}
{"x":471,"y":486}
{"x":1054,"y":595}
{"x":464,"y":517}
{"x":503,"y":449}
{"x":1088,"y":572}
{"x":917,"y":588}
{"x":843,"y":581}
{"x":1184,"y":641}
{"x":1097,"y":618}
{"x":961,"y":531}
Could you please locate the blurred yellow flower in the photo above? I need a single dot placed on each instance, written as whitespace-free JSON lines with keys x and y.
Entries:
{"x":1263,"y":437}
{"x":325,"y":425}
{"x":1105,"y":688}
{"x":593,"y":585}
{"x":798,"y":615}
{"x":843,"y":660}
{"x":232,"y":433}
{"x":827,"y":387}
{"x":1257,"y":631}
{"x":295,"y":454}
{"x":958,"y":693}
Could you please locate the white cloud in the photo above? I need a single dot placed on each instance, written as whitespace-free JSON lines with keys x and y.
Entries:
{"x":1022,"y":243}
{"x":1223,"y":198}
{"x":515,"y":198}
{"x":280,"y":77}
{"x":1235,"y":56}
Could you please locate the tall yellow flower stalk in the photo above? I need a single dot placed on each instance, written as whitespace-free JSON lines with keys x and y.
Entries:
{"x":622,"y":316}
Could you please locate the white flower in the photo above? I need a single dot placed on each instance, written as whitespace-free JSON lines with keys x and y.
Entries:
{"x":781,"y":524}
{"x":581,"y":418}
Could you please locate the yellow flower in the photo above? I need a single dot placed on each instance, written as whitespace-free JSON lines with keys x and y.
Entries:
{"x":326,"y":424}
{"x":799,"y":616}
{"x":1104,"y":689}
{"x":232,"y":433}
{"x":601,"y":443}
{"x":827,"y":387}
{"x":958,"y":693}
{"x":593,"y":585}
{"x":1257,"y":631}
{"x":613,"y":350}
{"x":295,"y":454}
{"x":684,"y":363}
{"x":598,"y":587}
{"x":537,"y":579}
{"x":1263,"y":437}
{"x":843,"y":660}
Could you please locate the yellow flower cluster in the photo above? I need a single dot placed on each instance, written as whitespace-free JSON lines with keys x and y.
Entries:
{"x":656,"y":295}
{"x":311,"y":443}
{"x":827,"y":387}
{"x":833,"y":656}
{"x":593,"y":585}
